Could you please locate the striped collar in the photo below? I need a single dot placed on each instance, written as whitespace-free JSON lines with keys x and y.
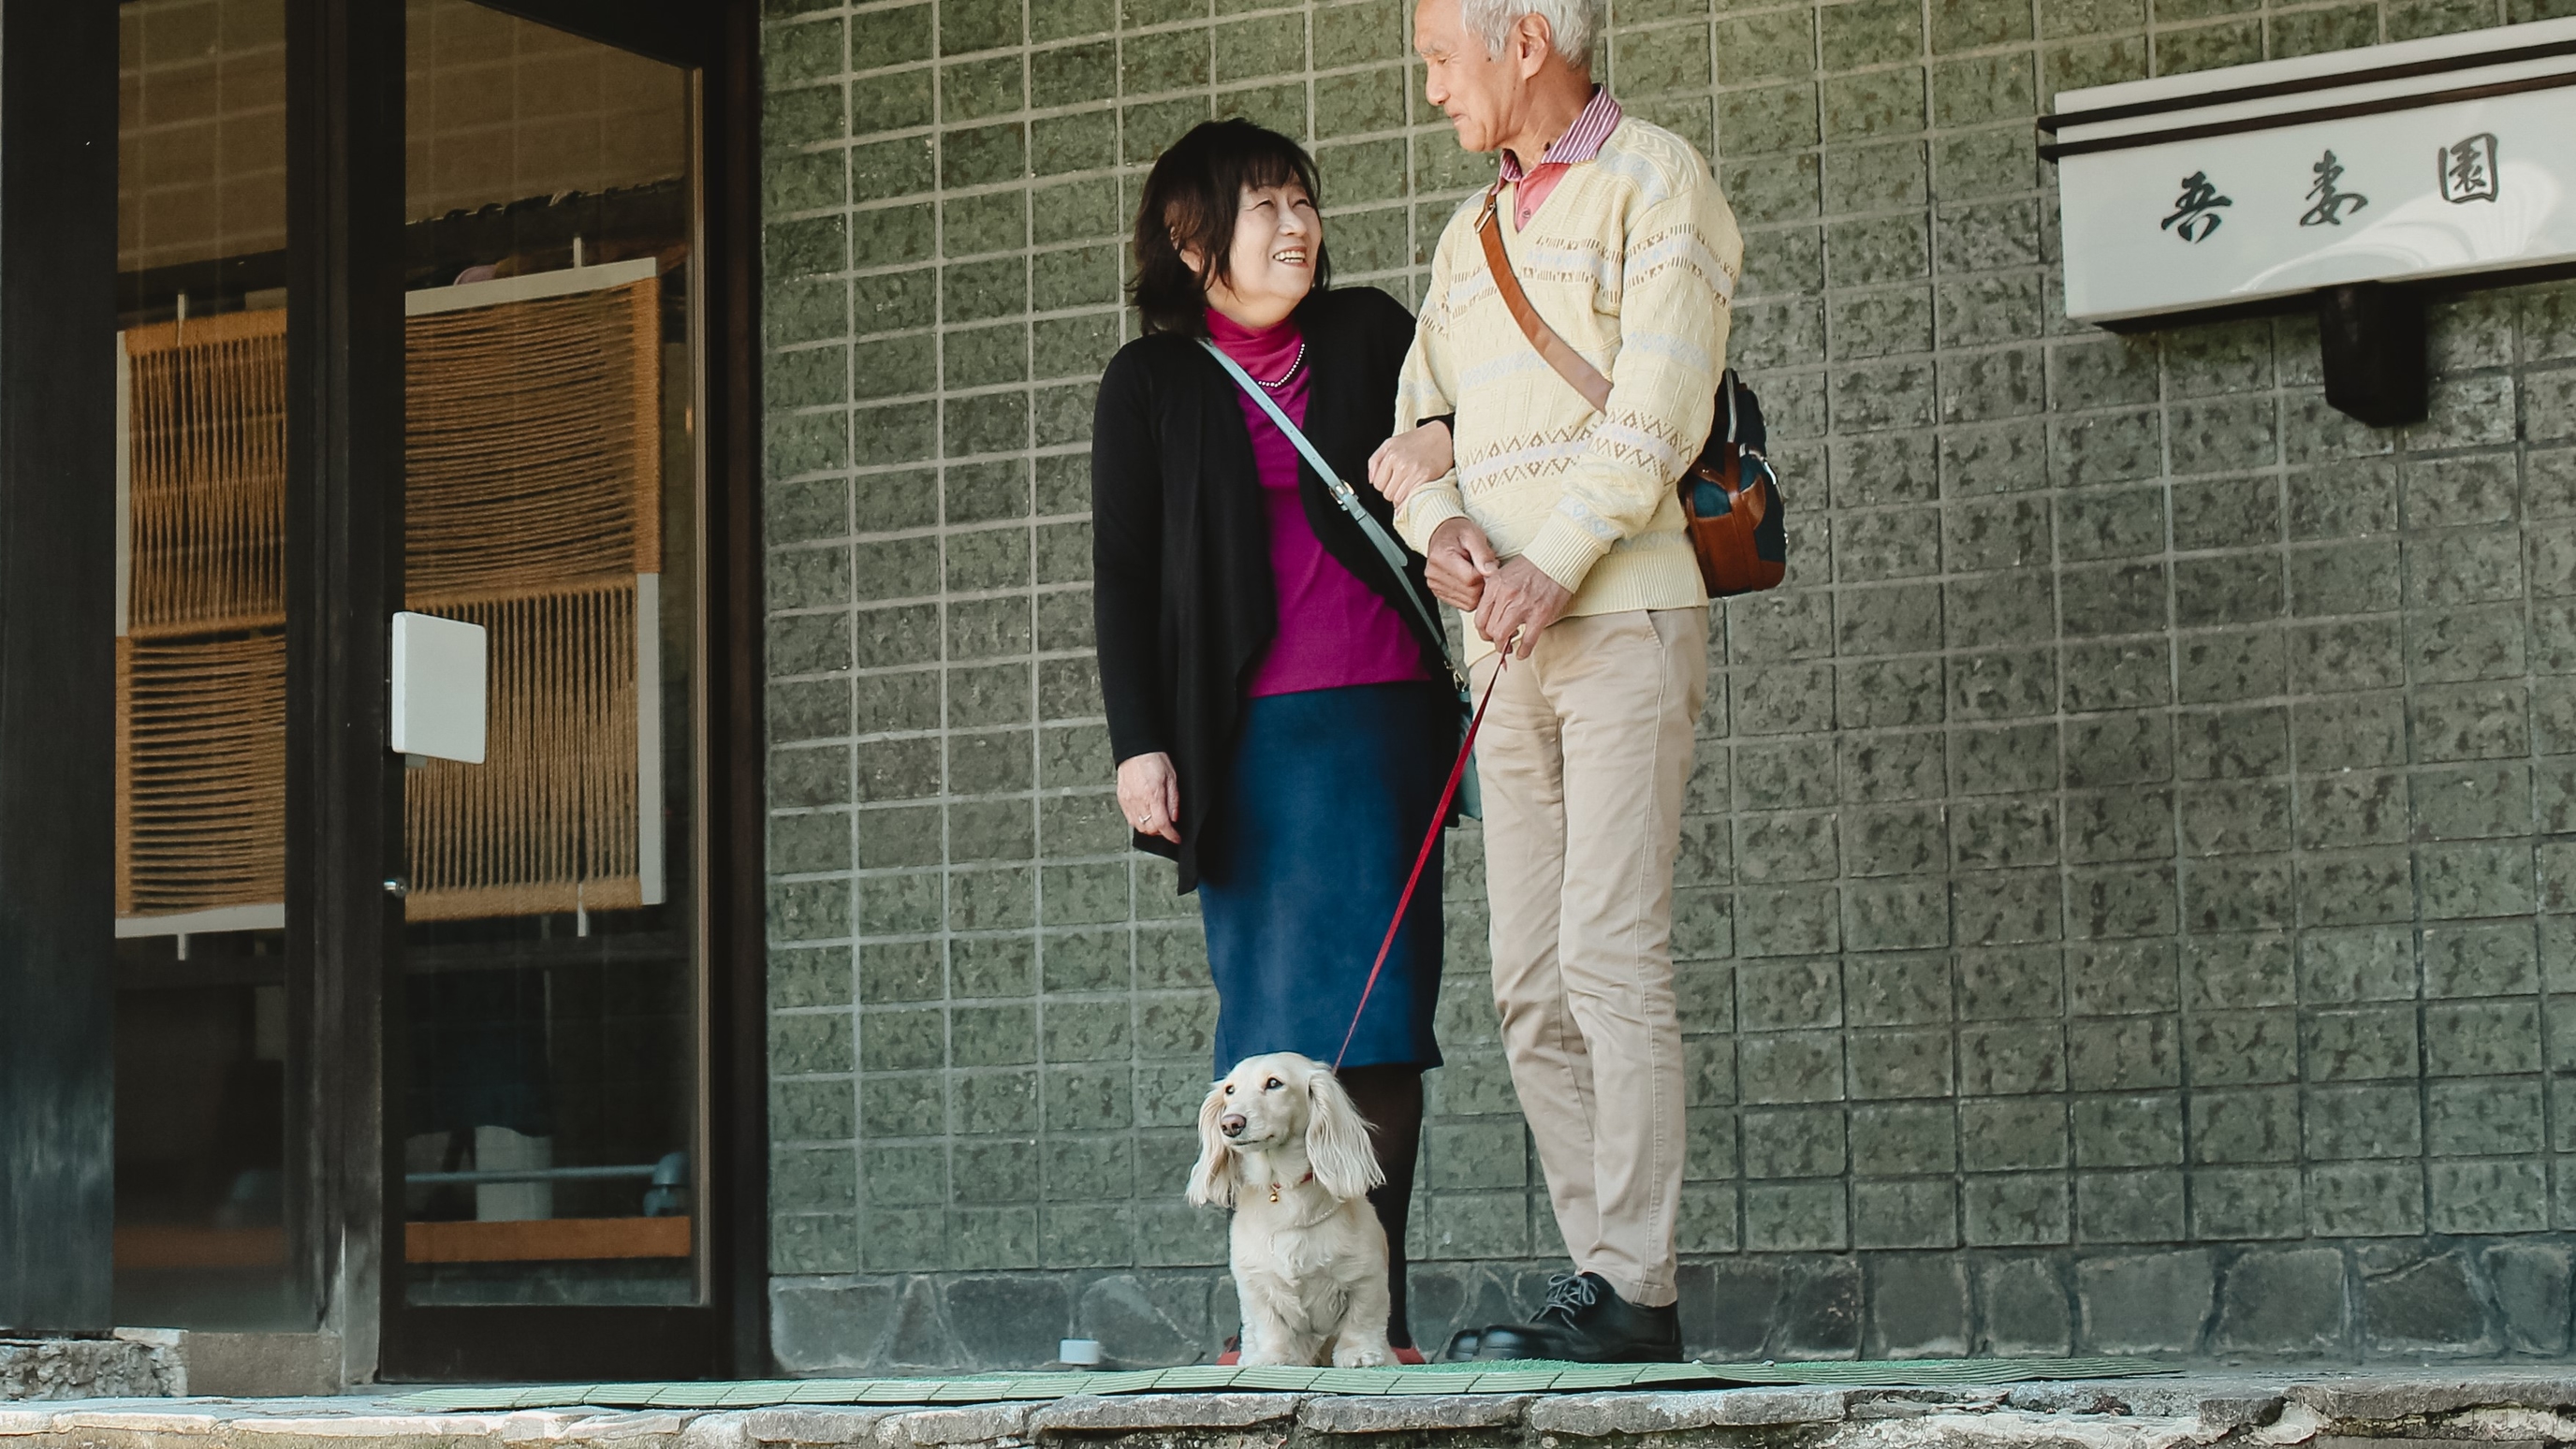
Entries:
{"x":1581,"y":141}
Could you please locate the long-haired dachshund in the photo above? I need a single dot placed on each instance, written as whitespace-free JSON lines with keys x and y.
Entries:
{"x":1281,"y":1144}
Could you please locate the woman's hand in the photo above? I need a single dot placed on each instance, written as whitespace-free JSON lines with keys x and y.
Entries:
{"x":1409,"y":460}
{"x":1149,"y":795}
{"x":1457,"y":564}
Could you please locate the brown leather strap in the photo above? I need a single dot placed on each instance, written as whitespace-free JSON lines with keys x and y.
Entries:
{"x":1569,"y":364}
{"x":1749,"y":496}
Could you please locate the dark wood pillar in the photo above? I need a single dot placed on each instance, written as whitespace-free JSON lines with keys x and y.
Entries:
{"x":738,"y":886}
{"x":57,"y":662}
{"x":344,"y":478}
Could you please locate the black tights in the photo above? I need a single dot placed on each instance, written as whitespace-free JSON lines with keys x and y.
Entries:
{"x":1390,"y":1097}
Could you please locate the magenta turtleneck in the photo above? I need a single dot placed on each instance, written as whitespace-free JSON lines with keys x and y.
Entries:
{"x":1334,"y":631}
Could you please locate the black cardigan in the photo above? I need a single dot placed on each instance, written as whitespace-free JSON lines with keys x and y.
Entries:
{"x":1183,"y":602}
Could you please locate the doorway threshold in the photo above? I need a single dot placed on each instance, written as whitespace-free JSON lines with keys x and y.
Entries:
{"x":167,"y":1363}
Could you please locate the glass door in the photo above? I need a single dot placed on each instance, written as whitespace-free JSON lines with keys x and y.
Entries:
{"x":571,"y":988}
{"x":550,"y":1083}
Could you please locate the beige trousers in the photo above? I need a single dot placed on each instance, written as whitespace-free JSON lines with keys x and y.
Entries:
{"x":1583,"y":759}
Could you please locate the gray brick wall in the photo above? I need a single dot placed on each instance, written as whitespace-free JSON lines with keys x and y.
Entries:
{"x":2119,"y":898}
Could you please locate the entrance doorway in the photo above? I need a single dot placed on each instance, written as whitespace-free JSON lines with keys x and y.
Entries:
{"x":440,"y":307}
{"x":550,"y":1096}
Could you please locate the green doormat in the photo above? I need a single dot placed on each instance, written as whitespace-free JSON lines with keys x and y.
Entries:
{"x":1536,"y":1376}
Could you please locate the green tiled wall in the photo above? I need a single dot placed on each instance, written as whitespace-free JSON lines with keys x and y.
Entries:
{"x":2132,"y":838}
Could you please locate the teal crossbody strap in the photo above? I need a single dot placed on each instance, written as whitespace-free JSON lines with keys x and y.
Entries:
{"x":1387,"y":548}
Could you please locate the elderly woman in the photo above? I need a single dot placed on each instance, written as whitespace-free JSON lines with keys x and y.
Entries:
{"x":1281,"y":708}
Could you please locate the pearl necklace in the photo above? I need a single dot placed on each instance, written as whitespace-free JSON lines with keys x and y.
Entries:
{"x":1293,"y":364}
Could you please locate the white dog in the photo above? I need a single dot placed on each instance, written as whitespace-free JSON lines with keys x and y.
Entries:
{"x":1281,"y":1144}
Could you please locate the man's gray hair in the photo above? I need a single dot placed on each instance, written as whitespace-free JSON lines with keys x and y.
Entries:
{"x":1576,"y":24}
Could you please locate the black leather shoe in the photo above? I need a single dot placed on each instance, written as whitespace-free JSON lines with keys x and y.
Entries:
{"x":1585,"y":1321}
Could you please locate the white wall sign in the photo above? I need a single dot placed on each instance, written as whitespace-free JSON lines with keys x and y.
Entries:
{"x":2429,"y":158}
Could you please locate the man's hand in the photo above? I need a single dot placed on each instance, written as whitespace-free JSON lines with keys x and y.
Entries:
{"x":1457,"y":563}
{"x":1409,"y":460}
{"x":1520,"y":599}
{"x":1149,"y":795}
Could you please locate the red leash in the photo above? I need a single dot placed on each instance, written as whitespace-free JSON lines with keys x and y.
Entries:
{"x":1422,"y":858}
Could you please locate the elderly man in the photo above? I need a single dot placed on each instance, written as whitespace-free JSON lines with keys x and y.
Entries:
{"x":1560,"y":531}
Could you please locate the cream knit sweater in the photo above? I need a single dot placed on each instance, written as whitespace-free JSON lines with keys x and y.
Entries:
{"x":1633,"y":260}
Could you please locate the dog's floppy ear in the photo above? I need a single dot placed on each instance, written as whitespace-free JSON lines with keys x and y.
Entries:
{"x":1337,"y":1140}
{"x":1212,"y":1181}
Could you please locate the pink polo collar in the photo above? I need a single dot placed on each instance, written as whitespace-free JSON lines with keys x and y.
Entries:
{"x":1581,"y":142}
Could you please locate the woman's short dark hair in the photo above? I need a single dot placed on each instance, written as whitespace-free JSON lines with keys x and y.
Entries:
{"x":1192,"y":199}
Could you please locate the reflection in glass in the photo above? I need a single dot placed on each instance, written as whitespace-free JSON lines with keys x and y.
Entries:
{"x":201,"y":1013}
{"x":549,"y":1114}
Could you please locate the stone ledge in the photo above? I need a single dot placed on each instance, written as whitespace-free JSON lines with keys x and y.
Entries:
{"x":819,"y":1424}
{"x":2381,"y":1399}
{"x":133,"y":1363}
{"x":1594,"y":1416}
{"x":1412,"y":1413}
{"x":332,"y":1427}
{"x":979,"y":1424}
{"x":2523,"y":1409}
{"x":1919,"y":1403}
{"x":2007,"y":1429}
{"x":1117,"y":1413}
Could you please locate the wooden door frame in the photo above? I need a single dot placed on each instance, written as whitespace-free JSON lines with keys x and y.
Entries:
{"x":57,"y":674}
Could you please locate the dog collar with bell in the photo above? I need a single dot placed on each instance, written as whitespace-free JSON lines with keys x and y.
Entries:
{"x":1301,"y":1182}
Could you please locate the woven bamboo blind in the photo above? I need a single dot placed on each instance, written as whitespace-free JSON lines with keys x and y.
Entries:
{"x":208,"y":476}
{"x":533,"y":482}
{"x":201,"y":673}
{"x":548,"y":821}
{"x":533,"y":445}
{"x":201,"y":783}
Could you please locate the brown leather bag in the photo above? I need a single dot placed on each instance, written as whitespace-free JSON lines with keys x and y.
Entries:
{"x":1730,"y":494}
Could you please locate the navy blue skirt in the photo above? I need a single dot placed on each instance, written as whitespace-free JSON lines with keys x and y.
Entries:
{"x":1326,"y":803}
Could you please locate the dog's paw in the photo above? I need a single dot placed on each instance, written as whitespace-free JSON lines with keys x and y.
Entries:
{"x":1362,"y":1355}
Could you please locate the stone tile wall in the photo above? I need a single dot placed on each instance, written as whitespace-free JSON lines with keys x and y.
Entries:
{"x":2119,"y":904}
